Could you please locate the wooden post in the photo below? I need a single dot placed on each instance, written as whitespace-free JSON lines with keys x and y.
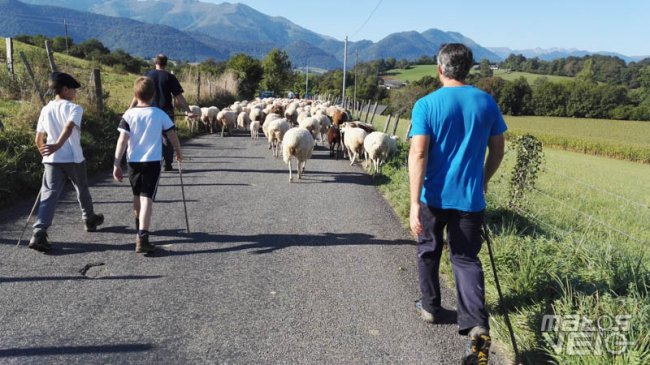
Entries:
{"x":31,"y":76}
{"x":210,"y":88}
{"x":98,"y":90}
{"x":408,"y":130}
{"x":50,"y":56}
{"x":367,"y":111}
{"x":198,"y":86}
{"x":387,"y":122}
{"x":10,"y":55}
{"x":374,"y":110}
{"x":396,"y":122}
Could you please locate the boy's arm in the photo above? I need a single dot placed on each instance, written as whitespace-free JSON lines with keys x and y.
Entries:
{"x":173,"y":138}
{"x":122,"y":142}
{"x":39,"y":140}
{"x":48,"y":149}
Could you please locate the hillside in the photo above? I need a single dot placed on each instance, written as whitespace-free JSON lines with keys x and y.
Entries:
{"x":238,"y":27}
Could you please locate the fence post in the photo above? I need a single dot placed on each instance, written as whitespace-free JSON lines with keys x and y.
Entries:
{"x":10,"y":55}
{"x":374,"y":110}
{"x":387,"y":123}
{"x":367,"y":111}
{"x":198,"y":86}
{"x":31,"y":76}
{"x":97,"y":78}
{"x":408,"y":130}
{"x":50,"y":56}
{"x":396,"y":122}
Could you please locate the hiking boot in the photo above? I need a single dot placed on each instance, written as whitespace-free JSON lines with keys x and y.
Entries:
{"x":479,"y":347}
{"x":142,"y":244}
{"x":423,"y":313}
{"x":94,"y":221}
{"x":39,"y":242}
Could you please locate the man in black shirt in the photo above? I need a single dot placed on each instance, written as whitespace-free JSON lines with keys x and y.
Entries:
{"x":168,"y":93}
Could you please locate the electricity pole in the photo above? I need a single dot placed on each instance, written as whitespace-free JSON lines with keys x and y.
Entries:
{"x":306,"y":83}
{"x":65,"y":28}
{"x":345,"y":60}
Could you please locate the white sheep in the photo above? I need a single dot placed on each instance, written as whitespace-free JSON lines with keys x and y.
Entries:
{"x":353,"y":141}
{"x":378,"y":147}
{"x":267,"y":122}
{"x":228,"y":120}
{"x":192,"y":123}
{"x":255,"y":129}
{"x":297,"y":143}
{"x":243,"y":121}
{"x":275,"y":133}
{"x":311,"y":124}
{"x":325,"y":124}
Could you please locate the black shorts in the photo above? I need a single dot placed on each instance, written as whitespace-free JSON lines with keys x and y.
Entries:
{"x":143,"y":177}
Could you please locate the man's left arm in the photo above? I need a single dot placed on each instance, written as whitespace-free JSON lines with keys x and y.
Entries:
{"x":496,"y":150}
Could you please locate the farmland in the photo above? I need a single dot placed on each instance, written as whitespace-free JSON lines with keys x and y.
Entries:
{"x":419,"y":71}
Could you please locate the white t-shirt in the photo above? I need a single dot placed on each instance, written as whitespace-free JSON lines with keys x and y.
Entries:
{"x":145,"y":126}
{"x":53,"y":119}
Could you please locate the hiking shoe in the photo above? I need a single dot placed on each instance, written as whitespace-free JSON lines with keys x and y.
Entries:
{"x":39,"y":242}
{"x":423,"y":313}
{"x":142,"y":244}
{"x":479,"y":349}
{"x":94,"y":221}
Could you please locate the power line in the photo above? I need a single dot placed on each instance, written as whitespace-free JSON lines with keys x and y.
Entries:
{"x":367,"y":20}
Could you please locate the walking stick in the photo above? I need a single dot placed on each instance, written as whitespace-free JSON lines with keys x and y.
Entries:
{"x":496,"y":280}
{"x":180,"y":173}
{"x":38,"y":199}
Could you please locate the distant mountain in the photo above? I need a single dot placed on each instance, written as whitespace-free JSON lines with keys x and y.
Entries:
{"x":242,"y":27}
{"x":550,"y":54}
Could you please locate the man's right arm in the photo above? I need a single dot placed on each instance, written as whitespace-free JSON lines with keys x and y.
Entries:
{"x":182,"y":103}
{"x":418,"y":156}
{"x":496,"y":150}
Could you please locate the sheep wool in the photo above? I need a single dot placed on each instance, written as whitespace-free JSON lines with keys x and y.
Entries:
{"x":297,"y":143}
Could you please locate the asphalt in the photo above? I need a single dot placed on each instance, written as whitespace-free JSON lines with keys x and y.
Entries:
{"x":315,"y":271}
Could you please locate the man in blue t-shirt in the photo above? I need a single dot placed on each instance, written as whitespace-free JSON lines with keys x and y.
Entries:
{"x":449,"y":174}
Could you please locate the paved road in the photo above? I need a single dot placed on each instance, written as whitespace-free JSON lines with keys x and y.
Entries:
{"x":318,"y":271}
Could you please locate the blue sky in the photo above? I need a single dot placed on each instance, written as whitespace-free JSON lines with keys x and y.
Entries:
{"x":621,"y":26}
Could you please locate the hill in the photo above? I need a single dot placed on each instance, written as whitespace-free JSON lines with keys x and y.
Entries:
{"x":239,"y":27}
{"x":551,"y":54}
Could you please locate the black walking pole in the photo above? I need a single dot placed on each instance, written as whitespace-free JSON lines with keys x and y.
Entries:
{"x":503,"y":308}
{"x":180,"y":173}
{"x":38,"y":199}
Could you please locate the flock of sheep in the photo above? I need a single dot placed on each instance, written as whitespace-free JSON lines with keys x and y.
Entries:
{"x":294,"y":127}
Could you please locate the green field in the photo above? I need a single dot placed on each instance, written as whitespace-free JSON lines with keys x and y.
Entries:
{"x":625,"y":140}
{"x":419,"y":71}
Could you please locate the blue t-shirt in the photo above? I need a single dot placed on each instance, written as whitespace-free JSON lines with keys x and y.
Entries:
{"x":460,"y":120}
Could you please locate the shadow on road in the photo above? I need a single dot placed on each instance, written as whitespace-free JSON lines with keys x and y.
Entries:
{"x":80,"y":277}
{"x":264,"y":243}
{"x":75,"y":350}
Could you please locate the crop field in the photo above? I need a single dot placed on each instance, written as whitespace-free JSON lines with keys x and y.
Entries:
{"x":419,"y":71}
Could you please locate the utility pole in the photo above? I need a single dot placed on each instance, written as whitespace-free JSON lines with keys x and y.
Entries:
{"x":65,"y":28}
{"x":345,"y":60}
{"x":306,"y":83}
{"x":356,"y":61}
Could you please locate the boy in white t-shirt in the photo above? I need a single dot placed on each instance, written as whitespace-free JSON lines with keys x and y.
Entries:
{"x":60,"y":122}
{"x":141,"y":130}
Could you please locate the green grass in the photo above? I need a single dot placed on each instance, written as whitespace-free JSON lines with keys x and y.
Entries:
{"x":561,"y":254}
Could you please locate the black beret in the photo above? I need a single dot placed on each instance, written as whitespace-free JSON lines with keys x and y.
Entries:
{"x":63,"y":79}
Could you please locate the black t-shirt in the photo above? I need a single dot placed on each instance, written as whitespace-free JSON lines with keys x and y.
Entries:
{"x":167,"y":87}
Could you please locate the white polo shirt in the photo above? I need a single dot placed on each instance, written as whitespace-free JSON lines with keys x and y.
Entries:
{"x":145,"y":127}
{"x":52,"y":121}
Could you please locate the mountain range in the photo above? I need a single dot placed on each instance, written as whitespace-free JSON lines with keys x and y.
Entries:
{"x":193,"y":30}
{"x":550,"y":54}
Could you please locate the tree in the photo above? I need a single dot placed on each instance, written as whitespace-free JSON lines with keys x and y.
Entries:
{"x":249,"y":73}
{"x":515,"y":97}
{"x":550,"y":98}
{"x":492,"y":86}
{"x":484,"y":68}
{"x":277,"y":71}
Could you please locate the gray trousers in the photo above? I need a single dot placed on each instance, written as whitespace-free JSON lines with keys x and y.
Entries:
{"x":54,"y":178}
